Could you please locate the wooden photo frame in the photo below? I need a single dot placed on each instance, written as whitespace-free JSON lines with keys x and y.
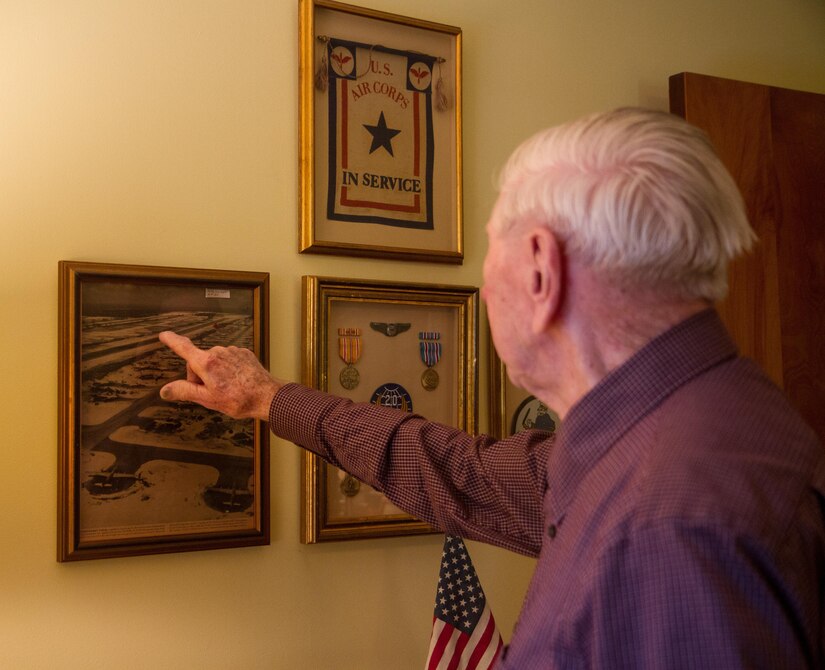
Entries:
{"x":138,"y":475}
{"x":380,"y":108}
{"x":410,"y":346}
{"x":512,"y":409}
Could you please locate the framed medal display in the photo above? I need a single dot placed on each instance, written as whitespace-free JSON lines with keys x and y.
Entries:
{"x":411,"y":347}
{"x":137,"y":474}
{"x":380,"y":108}
{"x":512,"y":409}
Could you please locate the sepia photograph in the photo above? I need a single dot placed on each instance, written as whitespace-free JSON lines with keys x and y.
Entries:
{"x":142,"y":474}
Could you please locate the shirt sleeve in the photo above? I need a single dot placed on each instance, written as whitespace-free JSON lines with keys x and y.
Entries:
{"x":473,"y":486}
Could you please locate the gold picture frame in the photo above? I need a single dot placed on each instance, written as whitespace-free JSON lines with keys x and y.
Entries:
{"x":412,"y":346}
{"x":380,"y":154}
{"x":512,"y":409}
{"x":138,"y":475}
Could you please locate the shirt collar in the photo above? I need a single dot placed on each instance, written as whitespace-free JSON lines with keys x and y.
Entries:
{"x":627,"y":394}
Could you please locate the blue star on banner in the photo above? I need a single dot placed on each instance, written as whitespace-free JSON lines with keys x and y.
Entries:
{"x":381,"y":135}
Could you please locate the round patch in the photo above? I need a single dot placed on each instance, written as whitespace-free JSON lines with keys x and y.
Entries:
{"x":392,"y":395}
{"x":342,"y":61}
{"x":420,"y":75}
{"x":533,"y":413}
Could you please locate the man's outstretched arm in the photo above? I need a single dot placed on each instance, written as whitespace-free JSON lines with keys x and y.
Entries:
{"x":477,"y":487}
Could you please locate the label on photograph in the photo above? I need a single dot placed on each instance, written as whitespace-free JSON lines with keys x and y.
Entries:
{"x":218,"y":293}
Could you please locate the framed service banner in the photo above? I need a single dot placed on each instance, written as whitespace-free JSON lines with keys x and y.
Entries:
{"x":380,"y":134}
{"x":137,"y":474}
{"x":512,"y":409}
{"x":411,"y":347}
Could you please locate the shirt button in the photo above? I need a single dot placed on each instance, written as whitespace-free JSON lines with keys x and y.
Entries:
{"x":551,"y":531}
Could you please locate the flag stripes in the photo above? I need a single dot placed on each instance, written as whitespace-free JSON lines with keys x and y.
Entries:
{"x":450,"y":649}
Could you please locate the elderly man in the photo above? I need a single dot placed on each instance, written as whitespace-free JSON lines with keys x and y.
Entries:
{"x":678,"y":515}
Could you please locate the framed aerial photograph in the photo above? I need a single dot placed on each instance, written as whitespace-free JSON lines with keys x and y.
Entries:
{"x":412,"y":347}
{"x":512,"y":409}
{"x":380,"y":109}
{"x":137,"y":474}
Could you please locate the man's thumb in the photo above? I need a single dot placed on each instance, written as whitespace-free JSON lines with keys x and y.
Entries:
{"x":181,"y":390}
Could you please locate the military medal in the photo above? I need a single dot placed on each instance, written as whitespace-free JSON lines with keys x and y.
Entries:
{"x":430,"y":350}
{"x":349,"y":349}
{"x":350,"y":486}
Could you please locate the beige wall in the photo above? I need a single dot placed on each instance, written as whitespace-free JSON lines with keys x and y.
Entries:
{"x":165,"y":132}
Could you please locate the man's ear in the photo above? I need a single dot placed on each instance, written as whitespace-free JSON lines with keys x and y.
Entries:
{"x":547,"y":276}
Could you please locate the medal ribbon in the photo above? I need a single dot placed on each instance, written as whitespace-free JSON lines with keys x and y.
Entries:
{"x":429,"y":347}
{"x":349,"y":345}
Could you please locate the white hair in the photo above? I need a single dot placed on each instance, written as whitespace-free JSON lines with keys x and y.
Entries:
{"x":637,"y":194}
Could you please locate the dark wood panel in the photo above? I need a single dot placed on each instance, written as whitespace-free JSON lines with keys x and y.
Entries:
{"x":736,"y":117}
{"x":798,"y":139}
{"x":773,"y":142}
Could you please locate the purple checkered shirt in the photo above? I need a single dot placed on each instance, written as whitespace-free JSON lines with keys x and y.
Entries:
{"x":678,"y":520}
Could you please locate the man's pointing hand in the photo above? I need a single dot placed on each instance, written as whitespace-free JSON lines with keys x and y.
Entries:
{"x":226,"y":379}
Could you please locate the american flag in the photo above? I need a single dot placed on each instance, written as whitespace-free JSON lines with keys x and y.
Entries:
{"x":464,"y":635}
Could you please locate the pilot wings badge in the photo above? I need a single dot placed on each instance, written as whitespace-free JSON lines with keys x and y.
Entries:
{"x":389,"y":329}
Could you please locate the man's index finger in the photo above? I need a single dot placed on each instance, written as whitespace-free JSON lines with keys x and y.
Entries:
{"x":182,"y":346}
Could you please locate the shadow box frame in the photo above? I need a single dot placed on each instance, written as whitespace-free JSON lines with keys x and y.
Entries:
{"x":153,"y":298}
{"x":357,"y":204}
{"x":333,"y":303}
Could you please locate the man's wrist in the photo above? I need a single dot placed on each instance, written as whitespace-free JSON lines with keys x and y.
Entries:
{"x":267,"y":397}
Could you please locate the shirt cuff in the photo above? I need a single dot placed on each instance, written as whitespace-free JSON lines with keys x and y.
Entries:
{"x":295,"y":412}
